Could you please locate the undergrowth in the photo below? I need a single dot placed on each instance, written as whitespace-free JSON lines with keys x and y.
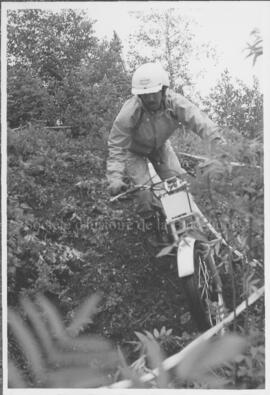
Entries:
{"x":65,"y":242}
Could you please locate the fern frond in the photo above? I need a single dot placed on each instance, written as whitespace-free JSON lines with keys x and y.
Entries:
{"x":28,"y":345}
{"x":54,"y":358}
{"x":83,"y":315}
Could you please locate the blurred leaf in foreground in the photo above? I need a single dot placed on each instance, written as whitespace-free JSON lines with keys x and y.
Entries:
{"x":56,"y":356}
{"x":209,"y":355}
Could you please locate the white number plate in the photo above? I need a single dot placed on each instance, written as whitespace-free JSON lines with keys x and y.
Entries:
{"x":176,"y":204}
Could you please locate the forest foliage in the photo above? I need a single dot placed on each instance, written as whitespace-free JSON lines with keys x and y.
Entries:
{"x":58,"y":69}
{"x":59,"y":72}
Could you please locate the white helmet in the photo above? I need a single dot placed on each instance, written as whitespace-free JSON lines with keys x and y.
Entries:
{"x":149,"y":78}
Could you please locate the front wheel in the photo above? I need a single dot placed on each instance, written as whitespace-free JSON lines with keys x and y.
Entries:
{"x":201,"y":288}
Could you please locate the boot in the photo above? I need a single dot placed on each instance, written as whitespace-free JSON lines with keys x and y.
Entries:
{"x":164,"y":236}
{"x":151,"y":234}
{"x":156,"y":232}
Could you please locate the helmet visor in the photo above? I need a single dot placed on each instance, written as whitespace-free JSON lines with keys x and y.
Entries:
{"x":146,"y":90}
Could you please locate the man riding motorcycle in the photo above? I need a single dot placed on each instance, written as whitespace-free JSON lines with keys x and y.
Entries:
{"x":141,"y":131}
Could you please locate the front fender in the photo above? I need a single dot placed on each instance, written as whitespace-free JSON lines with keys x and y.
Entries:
{"x":185,"y":256}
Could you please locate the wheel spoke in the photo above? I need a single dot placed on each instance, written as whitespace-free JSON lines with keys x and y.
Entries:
{"x":204,"y":285}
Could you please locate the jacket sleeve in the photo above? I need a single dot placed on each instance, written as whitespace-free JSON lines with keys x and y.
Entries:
{"x":119,"y":141}
{"x":189,"y":115}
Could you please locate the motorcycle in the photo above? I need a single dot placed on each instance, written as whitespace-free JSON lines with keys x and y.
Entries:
{"x":194,"y":244}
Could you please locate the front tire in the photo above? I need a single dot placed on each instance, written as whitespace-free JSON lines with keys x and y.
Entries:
{"x":204,"y":301}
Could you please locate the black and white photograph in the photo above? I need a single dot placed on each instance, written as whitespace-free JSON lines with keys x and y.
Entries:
{"x":134,"y":217}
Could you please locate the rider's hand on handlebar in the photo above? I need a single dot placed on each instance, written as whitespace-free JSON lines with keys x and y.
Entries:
{"x":117,"y":186}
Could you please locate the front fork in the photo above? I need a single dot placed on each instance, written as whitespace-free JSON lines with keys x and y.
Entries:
{"x":218,"y":283}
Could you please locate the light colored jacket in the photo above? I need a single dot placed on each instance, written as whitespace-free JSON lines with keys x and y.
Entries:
{"x":137,"y":130}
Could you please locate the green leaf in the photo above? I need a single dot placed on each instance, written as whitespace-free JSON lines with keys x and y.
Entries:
{"x":163,"y":330}
{"x":29,"y":346}
{"x":141,"y":337}
{"x":165,"y":251}
{"x":210,"y":355}
{"x":83,"y":315}
{"x":155,"y":357}
{"x":53,"y":317}
{"x":149,"y":335}
{"x":38,"y":324}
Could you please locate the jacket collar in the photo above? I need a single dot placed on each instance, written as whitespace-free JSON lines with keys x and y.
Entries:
{"x":162,"y":106}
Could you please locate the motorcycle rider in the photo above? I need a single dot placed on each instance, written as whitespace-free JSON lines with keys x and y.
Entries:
{"x":141,"y":131}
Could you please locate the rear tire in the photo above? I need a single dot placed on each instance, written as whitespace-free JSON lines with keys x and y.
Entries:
{"x":201,"y":292}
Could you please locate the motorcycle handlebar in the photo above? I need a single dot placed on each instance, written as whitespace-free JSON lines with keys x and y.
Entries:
{"x":141,"y":187}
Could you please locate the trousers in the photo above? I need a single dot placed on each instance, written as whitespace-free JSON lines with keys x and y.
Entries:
{"x":165,"y":163}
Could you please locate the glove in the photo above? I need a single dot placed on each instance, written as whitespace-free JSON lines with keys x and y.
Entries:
{"x":117,"y":186}
{"x":185,"y":176}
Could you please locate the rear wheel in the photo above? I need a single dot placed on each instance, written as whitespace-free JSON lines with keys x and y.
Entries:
{"x":206,"y":304}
